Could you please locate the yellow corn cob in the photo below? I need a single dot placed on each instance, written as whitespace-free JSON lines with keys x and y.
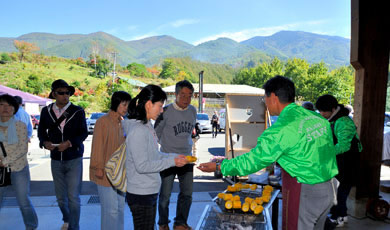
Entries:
{"x":253,"y":205}
{"x":191,"y":159}
{"x":258,"y":209}
{"x":229,"y":204}
{"x":245,"y":207}
{"x":236,"y":204}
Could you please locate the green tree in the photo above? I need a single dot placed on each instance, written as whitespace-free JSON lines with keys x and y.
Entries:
{"x":138,"y":70}
{"x":168,"y":70}
{"x":5,"y":58}
{"x":296,"y":69}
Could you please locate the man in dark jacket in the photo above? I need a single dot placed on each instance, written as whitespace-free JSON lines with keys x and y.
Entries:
{"x":62,"y":130}
{"x":348,"y":148}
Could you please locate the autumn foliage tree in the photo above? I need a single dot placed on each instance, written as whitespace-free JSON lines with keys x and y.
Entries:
{"x":24,"y":48}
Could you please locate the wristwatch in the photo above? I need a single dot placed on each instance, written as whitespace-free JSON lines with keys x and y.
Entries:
{"x":217,"y":169}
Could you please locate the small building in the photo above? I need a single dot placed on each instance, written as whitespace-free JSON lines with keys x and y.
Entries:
{"x":214,"y":94}
{"x":32,"y":103}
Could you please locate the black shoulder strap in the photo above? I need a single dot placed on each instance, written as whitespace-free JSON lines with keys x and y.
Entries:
{"x":2,"y":148}
{"x":64,"y":115}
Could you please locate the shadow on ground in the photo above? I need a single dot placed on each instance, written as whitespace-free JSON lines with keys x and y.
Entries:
{"x":46,"y":188}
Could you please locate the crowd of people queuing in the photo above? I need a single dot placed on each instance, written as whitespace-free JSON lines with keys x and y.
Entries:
{"x":312,"y":151}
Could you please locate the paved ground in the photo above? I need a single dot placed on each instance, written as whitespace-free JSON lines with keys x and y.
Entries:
{"x":205,"y":186}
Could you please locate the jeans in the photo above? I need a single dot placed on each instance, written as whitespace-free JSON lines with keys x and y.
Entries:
{"x":21,"y":184}
{"x":185,"y":175}
{"x":112,"y":204}
{"x":67,"y":177}
{"x":143,"y":209}
{"x":340,"y":210}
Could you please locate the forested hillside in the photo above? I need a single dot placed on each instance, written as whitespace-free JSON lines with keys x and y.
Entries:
{"x":334,"y":51}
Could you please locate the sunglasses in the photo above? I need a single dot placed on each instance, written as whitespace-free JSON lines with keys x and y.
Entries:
{"x":63,"y":93}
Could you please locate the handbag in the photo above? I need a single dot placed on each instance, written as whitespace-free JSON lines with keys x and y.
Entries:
{"x":5,"y":172}
{"x":116,"y":170}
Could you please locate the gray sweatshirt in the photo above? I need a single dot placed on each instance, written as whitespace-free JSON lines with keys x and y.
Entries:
{"x":143,"y":160}
{"x":174,"y":128}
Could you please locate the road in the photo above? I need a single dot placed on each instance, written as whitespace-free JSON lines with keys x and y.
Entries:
{"x":42,"y":181}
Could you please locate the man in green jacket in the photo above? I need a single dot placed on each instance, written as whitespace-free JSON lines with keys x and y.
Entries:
{"x":348,"y":148}
{"x":301,"y":142}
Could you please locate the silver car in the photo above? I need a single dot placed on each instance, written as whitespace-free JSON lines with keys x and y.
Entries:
{"x":92,"y":120}
{"x":204,"y":122}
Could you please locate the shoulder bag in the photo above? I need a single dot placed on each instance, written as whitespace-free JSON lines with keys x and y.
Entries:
{"x":5,"y":172}
{"x":116,"y":170}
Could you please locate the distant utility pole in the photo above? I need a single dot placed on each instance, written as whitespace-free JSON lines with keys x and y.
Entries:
{"x":201,"y":91}
{"x":114,"y":73}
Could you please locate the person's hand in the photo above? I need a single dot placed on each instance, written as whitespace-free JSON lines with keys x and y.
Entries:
{"x":1,"y":163}
{"x":99,"y":173}
{"x":63,"y":146}
{"x":180,"y":161}
{"x":48,"y":145}
{"x":207,"y":167}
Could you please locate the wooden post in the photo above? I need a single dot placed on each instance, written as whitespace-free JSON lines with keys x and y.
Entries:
{"x":370,"y":42}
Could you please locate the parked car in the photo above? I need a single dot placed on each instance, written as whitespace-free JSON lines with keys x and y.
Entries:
{"x":204,"y":122}
{"x":92,"y":120}
{"x":222,"y":121}
{"x":35,"y":121}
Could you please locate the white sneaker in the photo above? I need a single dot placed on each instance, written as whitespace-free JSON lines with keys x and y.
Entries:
{"x":344,"y":219}
{"x":65,"y":226}
{"x":340,"y":221}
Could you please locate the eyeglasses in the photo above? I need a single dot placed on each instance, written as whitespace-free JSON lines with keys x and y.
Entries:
{"x":63,"y":93}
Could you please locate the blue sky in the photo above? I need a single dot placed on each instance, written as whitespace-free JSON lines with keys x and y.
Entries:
{"x":191,"y":21}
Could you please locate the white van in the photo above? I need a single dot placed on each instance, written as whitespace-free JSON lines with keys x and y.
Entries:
{"x":222,"y":122}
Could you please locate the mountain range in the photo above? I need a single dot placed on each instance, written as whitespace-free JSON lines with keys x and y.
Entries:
{"x":333,"y":50}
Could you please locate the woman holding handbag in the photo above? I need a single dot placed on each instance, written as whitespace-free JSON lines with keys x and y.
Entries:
{"x":144,"y":161}
{"x":13,"y":137}
{"x":108,"y":135}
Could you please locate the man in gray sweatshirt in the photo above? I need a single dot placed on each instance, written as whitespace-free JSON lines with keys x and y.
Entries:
{"x":174,"y":128}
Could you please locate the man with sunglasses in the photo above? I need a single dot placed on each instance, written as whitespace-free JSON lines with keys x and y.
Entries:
{"x":62,"y":130}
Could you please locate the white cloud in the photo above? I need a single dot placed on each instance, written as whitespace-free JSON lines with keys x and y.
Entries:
{"x":262,"y":31}
{"x":183,"y":22}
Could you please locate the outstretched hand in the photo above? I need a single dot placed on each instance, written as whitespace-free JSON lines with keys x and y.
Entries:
{"x":207,"y":167}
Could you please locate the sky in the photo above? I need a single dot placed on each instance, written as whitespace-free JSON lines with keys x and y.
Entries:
{"x":194,"y":21}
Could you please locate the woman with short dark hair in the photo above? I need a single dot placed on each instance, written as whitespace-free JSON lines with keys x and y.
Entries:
{"x":108,"y":135}
{"x":13,"y":135}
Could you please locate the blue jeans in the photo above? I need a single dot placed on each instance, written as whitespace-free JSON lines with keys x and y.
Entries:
{"x":21,"y":185}
{"x":67,"y":177}
{"x":186,"y":177}
{"x":112,"y":203}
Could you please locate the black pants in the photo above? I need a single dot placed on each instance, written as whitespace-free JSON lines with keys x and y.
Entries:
{"x":340,"y":210}
{"x":214,"y":130}
{"x":143,"y":208}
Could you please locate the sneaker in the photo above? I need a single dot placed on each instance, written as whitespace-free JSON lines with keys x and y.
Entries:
{"x":339,"y":222}
{"x":181,"y":227}
{"x":344,"y":219}
{"x":163,"y":227}
{"x":65,"y":226}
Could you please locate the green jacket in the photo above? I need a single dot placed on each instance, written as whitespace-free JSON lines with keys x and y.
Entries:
{"x":345,"y":131}
{"x":300,"y":141}
{"x":348,"y":146}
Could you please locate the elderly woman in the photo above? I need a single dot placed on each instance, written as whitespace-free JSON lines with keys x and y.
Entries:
{"x":13,"y":135}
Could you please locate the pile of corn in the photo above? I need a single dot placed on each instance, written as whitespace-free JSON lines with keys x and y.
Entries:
{"x":254,"y":204}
